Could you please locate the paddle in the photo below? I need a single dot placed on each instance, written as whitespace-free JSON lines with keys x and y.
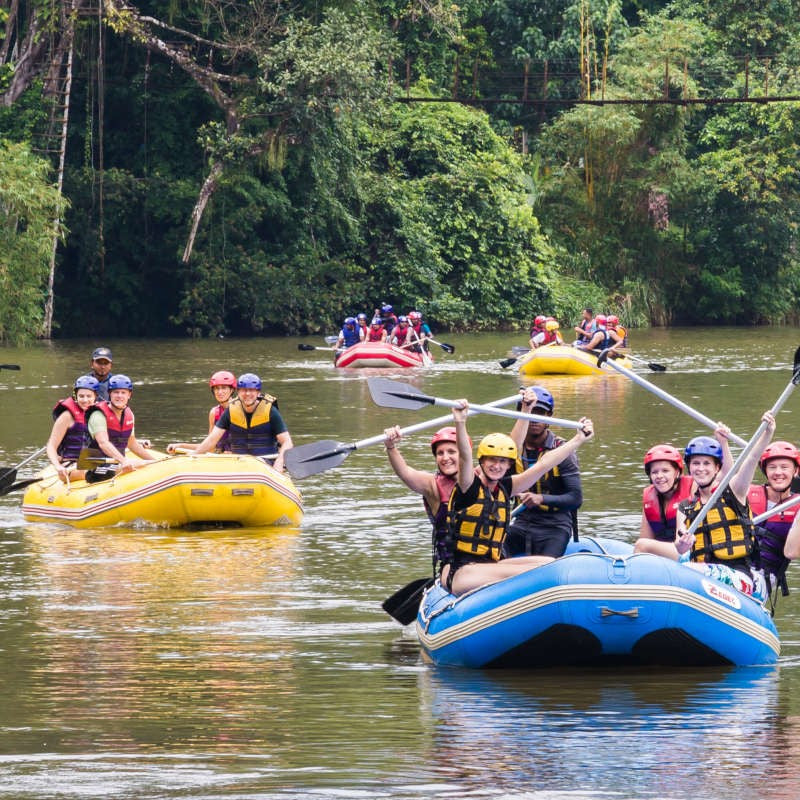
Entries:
{"x":707,"y":421}
{"x":393,"y":394}
{"x":8,"y":475}
{"x":9,"y":366}
{"x":652,"y":364}
{"x":18,"y":485}
{"x":523,"y":354}
{"x":779,"y":509}
{"x":309,"y":459}
{"x":448,"y":348}
{"x":723,"y":484}
{"x":331,"y":339}
{"x":314,"y":347}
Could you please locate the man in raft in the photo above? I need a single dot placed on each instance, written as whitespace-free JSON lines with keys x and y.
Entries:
{"x":254,"y":423}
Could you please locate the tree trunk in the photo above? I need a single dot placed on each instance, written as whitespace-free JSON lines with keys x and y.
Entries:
{"x":209,"y":187}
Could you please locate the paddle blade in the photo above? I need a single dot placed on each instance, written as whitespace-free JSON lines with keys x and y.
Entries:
{"x":448,"y":348}
{"x":602,"y":358}
{"x":507,"y":362}
{"x":393,"y":394}
{"x":309,"y":459}
{"x":656,"y":367}
{"x":18,"y":485}
{"x":796,"y":367}
{"x":303,"y":346}
{"x":9,"y":366}
{"x":8,"y":477}
{"x":403,"y":605}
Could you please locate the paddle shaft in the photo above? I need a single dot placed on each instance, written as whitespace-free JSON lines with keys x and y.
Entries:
{"x":717,"y":493}
{"x":779,"y":509}
{"x":24,"y":461}
{"x":503,"y":412}
{"x":673,"y":401}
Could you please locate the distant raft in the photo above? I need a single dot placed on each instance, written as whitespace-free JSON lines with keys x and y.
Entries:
{"x":382,"y":356}
{"x":599,"y":605}
{"x":214,"y":488}
{"x":563,"y":359}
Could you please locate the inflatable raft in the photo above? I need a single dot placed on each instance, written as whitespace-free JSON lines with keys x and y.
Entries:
{"x":599,"y":605}
{"x":564,"y":359}
{"x":175,"y":491}
{"x":382,"y":356}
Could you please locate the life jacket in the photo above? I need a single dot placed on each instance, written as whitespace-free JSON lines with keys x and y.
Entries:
{"x":401,"y":336}
{"x":480,"y":529}
{"x":663,"y":516}
{"x":772,"y":532}
{"x":622,"y":333}
{"x":351,"y":337}
{"x":442,"y":548}
{"x":551,"y":482}
{"x":224,"y":443}
{"x":375,"y":335}
{"x":606,"y":342}
{"x":254,"y":437}
{"x":726,"y":533}
{"x":76,"y":437}
{"x":119,"y":430}
{"x":552,"y":336}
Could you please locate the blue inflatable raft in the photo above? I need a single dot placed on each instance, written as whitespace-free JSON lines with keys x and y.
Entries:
{"x":598,"y":605}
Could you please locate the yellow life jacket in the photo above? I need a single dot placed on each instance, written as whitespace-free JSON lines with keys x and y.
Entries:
{"x":480,"y":529}
{"x":726,"y":533}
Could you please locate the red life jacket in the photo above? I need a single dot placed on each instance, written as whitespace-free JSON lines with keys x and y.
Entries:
{"x":76,"y":437}
{"x":119,"y":430}
{"x":374,"y":335}
{"x":663,"y":522}
{"x":442,"y":544}
{"x":771,"y":533}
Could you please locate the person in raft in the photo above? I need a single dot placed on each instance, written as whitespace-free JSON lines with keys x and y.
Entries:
{"x":479,"y":508}
{"x":726,"y":534}
{"x":110,"y":426}
{"x":435,"y":487}
{"x":223,"y":385}
{"x":256,"y":426}
{"x":69,"y":436}
{"x":663,"y":465}
{"x":780,"y":463}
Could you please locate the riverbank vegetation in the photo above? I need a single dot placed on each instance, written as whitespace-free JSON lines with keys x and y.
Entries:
{"x":256,"y":167}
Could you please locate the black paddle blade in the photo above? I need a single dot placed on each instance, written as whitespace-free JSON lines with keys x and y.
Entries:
{"x":796,"y":367}
{"x":8,"y":477}
{"x":448,"y":348}
{"x":309,"y":459}
{"x":9,"y":366}
{"x":18,"y":485}
{"x":507,"y":362}
{"x":306,"y":347}
{"x":393,"y":394}
{"x":656,"y":367}
{"x":602,"y":358}
{"x":403,"y":605}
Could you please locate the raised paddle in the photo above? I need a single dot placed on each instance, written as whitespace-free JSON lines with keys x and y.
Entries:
{"x":707,"y":421}
{"x":393,"y":394}
{"x":309,"y":459}
{"x":8,"y":475}
{"x":9,"y":366}
{"x":723,"y":484}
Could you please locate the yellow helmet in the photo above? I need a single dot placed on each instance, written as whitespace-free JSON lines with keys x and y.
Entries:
{"x":551,"y":325}
{"x":500,"y":446}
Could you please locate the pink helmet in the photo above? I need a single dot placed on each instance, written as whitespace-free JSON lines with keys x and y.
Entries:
{"x":663,"y":452}
{"x":779,"y":450}
{"x":540,"y":320}
{"x":613,"y":319}
{"x":223,"y":378}
{"x":447,"y":434}
{"x":601,"y":319}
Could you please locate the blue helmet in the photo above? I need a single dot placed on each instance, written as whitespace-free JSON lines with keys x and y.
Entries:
{"x":386,"y":308}
{"x":361,"y":316}
{"x":87,"y":382}
{"x":703,"y":446}
{"x":350,"y":321}
{"x":543,"y":399}
{"x":120,"y":382}
{"x":248,"y":381}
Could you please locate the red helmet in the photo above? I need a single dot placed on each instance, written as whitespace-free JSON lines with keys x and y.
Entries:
{"x":540,"y":320}
{"x":447,"y":434}
{"x":223,"y":378}
{"x":613,"y":319}
{"x":663,"y":452}
{"x":779,"y":450}
{"x":601,"y":319}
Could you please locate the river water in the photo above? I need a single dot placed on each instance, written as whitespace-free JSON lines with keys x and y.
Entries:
{"x":259,"y":664}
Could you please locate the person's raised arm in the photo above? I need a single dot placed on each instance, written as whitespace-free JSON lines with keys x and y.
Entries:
{"x":740,"y":482}
{"x":721,"y":433}
{"x":520,"y":430}
{"x":465,"y":469}
{"x":552,"y":458}
{"x":415,"y":479}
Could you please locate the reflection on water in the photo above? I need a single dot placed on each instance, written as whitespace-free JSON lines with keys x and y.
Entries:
{"x":258,"y":664}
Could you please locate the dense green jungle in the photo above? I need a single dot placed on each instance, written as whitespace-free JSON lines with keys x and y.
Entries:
{"x":208,"y":167}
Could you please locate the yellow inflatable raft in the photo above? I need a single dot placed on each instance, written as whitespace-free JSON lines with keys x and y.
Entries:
{"x":174,"y":491}
{"x":563,"y":359}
